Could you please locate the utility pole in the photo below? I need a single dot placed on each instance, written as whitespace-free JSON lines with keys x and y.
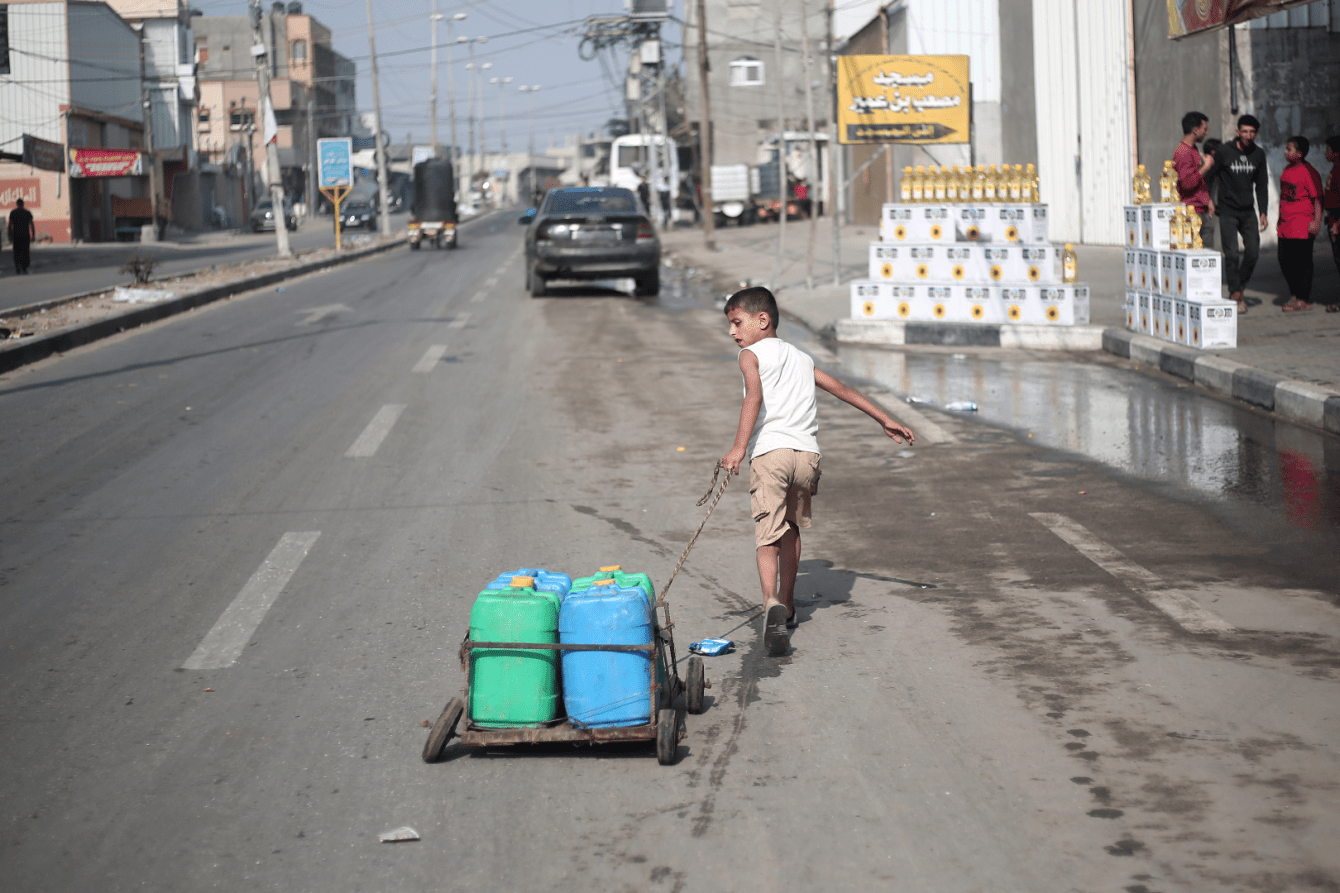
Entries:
{"x":146,"y":98}
{"x":834,"y":152}
{"x":781,"y":148}
{"x":270,"y":133}
{"x":705,"y":132}
{"x":311,"y":159}
{"x":432,"y":92}
{"x":385,"y":212}
{"x":502,"y":125}
{"x":814,"y":145}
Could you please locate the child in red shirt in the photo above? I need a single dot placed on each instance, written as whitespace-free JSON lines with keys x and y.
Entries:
{"x":1299,"y":222}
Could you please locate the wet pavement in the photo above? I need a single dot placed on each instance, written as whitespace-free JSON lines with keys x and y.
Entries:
{"x":1163,"y":432}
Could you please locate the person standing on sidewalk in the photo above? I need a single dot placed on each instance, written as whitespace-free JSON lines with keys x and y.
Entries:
{"x":1299,"y":223}
{"x":1191,"y":169}
{"x":1240,"y":170}
{"x":1331,"y":208}
{"x":22,"y":234}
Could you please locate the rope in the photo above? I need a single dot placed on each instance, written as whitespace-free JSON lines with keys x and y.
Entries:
{"x":660,"y":600}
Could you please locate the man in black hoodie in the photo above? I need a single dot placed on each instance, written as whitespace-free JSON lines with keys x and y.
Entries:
{"x":1240,"y":170}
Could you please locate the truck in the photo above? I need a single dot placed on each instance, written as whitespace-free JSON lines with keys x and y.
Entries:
{"x":433,"y":214}
{"x":631,"y":160}
{"x":734,"y":187}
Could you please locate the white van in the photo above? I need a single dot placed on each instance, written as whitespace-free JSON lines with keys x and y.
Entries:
{"x":630,"y":160}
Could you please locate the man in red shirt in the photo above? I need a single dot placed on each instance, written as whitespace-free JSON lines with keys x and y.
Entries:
{"x":1299,"y":222}
{"x":1191,"y":169}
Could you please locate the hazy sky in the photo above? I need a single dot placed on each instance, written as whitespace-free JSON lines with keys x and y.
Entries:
{"x":531,"y":41}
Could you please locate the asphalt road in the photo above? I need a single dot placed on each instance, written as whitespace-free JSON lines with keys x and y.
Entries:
{"x":61,"y":270}
{"x":1000,"y":683}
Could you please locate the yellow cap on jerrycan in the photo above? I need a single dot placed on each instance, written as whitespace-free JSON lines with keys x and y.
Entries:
{"x":522,"y":583}
{"x":609,"y":568}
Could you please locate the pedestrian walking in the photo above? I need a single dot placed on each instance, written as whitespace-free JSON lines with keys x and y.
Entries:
{"x":22,"y":233}
{"x":1240,"y":171}
{"x":1299,"y":222}
{"x":779,"y":430}
{"x":1191,"y":167}
{"x":1331,"y":209}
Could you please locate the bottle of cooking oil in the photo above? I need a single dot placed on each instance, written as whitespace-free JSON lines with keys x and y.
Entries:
{"x":1177,"y":229}
{"x":989,"y":184}
{"x":1069,"y":264}
{"x":951,"y":185}
{"x":1195,"y":222}
{"x":1031,"y":184}
{"x":1138,"y":195}
{"x":979,"y":184}
{"x":1016,"y":183}
{"x":965,"y":184}
{"x":1167,"y":182}
{"x":905,"y":186}
{"x":919,"y":185}
{"x":941,"y":184}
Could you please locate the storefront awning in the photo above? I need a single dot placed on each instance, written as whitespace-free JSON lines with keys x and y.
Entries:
{"x":1187,"y":17}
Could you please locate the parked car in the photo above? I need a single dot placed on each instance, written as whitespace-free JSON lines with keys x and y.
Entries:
{"x":354,"y":214}
{"x":592,"y":232}
{"x":262,"y":218}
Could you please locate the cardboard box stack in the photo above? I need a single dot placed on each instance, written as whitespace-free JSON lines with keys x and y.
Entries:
{"x":975,"y":261}
{"x":1172,"y":289}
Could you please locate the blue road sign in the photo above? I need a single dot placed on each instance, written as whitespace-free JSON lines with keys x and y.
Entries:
{"x":334,"y":162}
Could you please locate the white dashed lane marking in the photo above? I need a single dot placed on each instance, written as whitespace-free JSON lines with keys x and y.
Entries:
{"x":459,"y":322}
{"x":1183,"y":609}
{"x":376,"y":431}
{"x":224,"y":644}
{"x":431,"y":357}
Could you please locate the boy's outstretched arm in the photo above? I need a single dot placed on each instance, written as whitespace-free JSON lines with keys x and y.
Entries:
{"x":839,"y":390}
{"x":753,"y":402}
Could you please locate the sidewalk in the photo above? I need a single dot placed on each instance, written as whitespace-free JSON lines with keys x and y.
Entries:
{"x":1299,"y":352}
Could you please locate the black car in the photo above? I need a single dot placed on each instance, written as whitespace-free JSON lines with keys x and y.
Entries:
{"x":263,"y":218}
{"x":358,"y":213}
{"x":597,"y":232}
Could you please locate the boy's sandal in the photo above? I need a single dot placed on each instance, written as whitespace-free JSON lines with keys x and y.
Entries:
{"x":792,"y":622}
{"x":1293,"y":305}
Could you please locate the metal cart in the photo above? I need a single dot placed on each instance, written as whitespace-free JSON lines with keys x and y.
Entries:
{"x":663,"y":728}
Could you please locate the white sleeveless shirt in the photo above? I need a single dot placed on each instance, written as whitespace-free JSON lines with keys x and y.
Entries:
{"x":787,"y":419}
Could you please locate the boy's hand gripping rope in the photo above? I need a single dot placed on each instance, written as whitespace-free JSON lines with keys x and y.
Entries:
{"x":660,"y":601}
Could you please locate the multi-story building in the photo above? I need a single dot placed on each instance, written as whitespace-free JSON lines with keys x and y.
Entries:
{"x":308,"y":81}
{"x":70,"y":107}
{"x":170,"y":86}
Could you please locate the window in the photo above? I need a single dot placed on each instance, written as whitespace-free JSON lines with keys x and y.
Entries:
{"x":240,"y":119}
{"x":299,"y":50}
{"x":631,"y":156}
{"x":204,"y":55}
{"x":746,"y":72}
{"x":202,"y":121}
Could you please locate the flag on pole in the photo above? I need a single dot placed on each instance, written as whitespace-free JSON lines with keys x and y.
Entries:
{"x":271,"y":126}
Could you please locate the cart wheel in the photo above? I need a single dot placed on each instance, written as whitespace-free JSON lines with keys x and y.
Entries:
{"x":694,"y":685}
{"x":414,"y":246}
{"x":442,"y":731}
{"x":667,"y":739}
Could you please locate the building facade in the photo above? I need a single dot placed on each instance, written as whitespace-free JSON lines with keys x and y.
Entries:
{"x":309,"y":82}
{"x":74,"y":89}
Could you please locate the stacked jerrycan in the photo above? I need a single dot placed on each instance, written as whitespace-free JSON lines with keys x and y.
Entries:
{"x":608,"y":688}
{"x":515,"y":687}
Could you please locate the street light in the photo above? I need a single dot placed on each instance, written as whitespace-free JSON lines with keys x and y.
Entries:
{"x":530,"y":152}
{"x":451,"y":92}
{"x":432,"y":91}
{"x":470,"y":66}
{"x":502,"y":124}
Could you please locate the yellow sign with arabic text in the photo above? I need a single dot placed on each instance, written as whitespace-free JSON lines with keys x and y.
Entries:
{"x":903,"y":99}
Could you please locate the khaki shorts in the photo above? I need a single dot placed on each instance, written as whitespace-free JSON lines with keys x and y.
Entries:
{"x":781,"y":483}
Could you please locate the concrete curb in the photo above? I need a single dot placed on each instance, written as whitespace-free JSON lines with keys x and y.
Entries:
{"x":31,"y":350}
{"x":1024,"y":337}
{"x":1295,"y":401}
